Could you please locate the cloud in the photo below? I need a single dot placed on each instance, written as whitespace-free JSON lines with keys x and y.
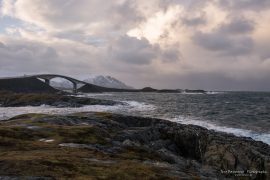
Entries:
{"x":193,"y":42}
{"x":225,"y":45}
{"x":238,"y":26}
{"x":7,"y":8}
{"x":58,"y":15}
{"x":20,"y":55}
{"x":230,"y":39}
{"x":171,"y":54}
{"x":194,"y":21}
{"x":135,"y":51}
{"x":245,"y":4}
{"x":26,"y":56}
{"x":132,"y":51}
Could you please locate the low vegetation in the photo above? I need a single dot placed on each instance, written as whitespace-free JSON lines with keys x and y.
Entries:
{"x":24,"y":152}
{"x":11,"y":99}
{"x":110,"y":146}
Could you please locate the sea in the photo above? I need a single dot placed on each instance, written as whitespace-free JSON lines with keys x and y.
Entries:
{"x":245,"y":114}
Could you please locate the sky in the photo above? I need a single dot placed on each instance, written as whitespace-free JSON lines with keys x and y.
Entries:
{"x":195,"y":44}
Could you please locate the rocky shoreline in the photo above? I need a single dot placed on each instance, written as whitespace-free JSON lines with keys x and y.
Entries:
{"x":111,"y":146}
{"x":11,"y":99}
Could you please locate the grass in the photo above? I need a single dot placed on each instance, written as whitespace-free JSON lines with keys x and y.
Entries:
{"x":11,"y":99}
{"x":19,"y":98}
{"x":23,"y":154}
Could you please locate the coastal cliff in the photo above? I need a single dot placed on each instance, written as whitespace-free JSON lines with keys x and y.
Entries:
{"x":107,"y":146}
{"x":11,"y":99}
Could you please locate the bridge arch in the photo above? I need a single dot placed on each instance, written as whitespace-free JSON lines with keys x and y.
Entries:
{"x":48,"y":77}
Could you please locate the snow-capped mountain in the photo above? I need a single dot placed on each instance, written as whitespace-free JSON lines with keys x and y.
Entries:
{"x":107,"y":81}
{"x":99,"y":80}
{"x":61,"y":84}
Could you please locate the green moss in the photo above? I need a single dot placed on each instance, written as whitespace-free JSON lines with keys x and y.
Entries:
{"x":81,"y":134}
{"x":9,"y":99}
{"x":23,"y":154}
{"x":103,"y":114}
{"x":27,"y":116}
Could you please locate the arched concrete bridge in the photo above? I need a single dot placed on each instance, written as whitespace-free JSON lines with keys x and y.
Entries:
{"x":48,"y":77}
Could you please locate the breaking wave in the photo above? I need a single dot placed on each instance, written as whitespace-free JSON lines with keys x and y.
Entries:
{"x":129,"y":106}
{"x":264,"y":137}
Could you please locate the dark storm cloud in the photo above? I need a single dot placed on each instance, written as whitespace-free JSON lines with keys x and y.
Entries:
{"x":224,"y":44}
{"x":238,"y":26}
{"x":230,"y":39}
{"x":211,"y":81}
{"x":132,"y":51}
{"x":27,"y":57}
{"x":195,"y":21}
{"x":127,"y":11}
{"x":245,"y":4}
{"x":135,"y":51}
{"x":170,"y":55}
{"x":189,"y":4}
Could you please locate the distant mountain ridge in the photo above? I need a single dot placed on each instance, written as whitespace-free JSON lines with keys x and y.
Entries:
{"x":99,"y":80}
{"x":63,"y":84}
{"x":107,"y":81}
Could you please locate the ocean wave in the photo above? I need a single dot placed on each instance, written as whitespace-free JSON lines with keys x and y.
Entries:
{"x":128,"y":106}
{"x":215,"y":92}
{"x":91,"y":94}
{"x":8,"y":112}
{"x":97,"y":94}
{"x":207,"y":92}
{"x":264,"y":137}
{"x":192,"y":93}
{"x":139,"y":106}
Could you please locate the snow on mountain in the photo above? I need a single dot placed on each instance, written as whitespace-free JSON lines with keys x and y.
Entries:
{"x":99,"y":80}
{"x":107,"y":81}
{"x":61,"y":84}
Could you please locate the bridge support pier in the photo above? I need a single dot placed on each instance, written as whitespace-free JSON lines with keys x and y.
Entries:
{"x":47,"y":81}
{"x":47,"y":77}
{"x":75,"y":88}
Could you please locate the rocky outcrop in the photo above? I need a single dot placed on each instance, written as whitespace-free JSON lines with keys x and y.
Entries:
{"x":194,"y":91}
{"x":126,"y":147}
{"x":148,"y":89}
{"x":89,"y":88}
{"x":10,"y":99}
{"x":25,"y":85}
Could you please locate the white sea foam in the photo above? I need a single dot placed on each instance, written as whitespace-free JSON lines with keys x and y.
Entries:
{"x":215,"y":92}
{"x":96,"y":94}
{"x":92,"y":94}
{"x":139,"y":106}
{"x":8,"y":112}
{"x":264,"y":137}
{"x":129,"y":106}
{"x":192,"y":93}
{"x":207,"y":92}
